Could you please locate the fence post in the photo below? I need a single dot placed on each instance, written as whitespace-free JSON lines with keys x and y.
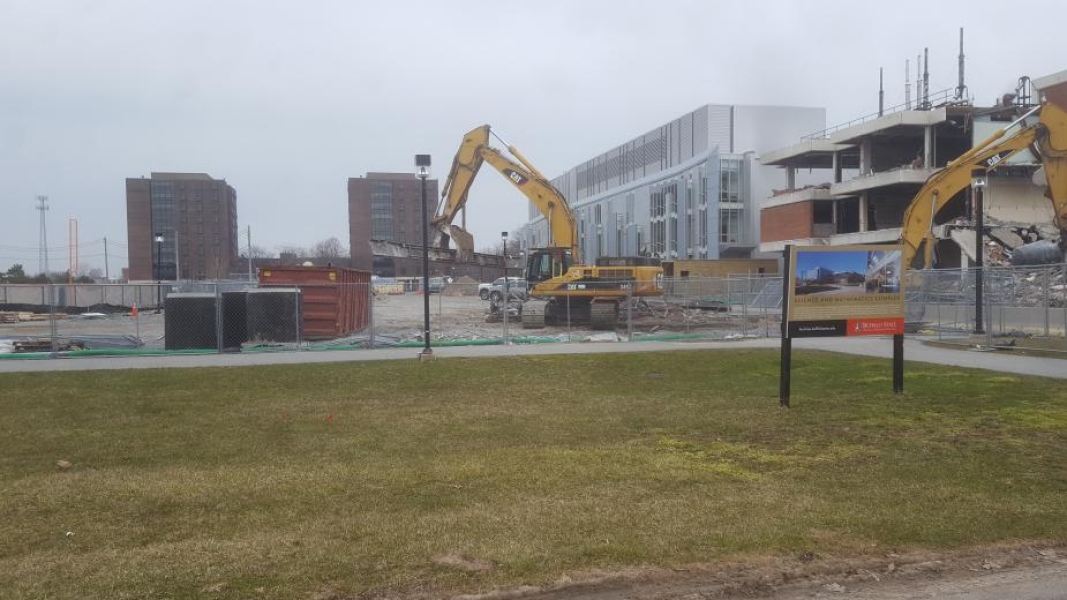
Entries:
{"x":989,"y":310}
{"x":507,"y":301}
{"x":298,"y":311}
{"x":218,"y":317}
{"x":568,"y":318}
{"x":1048,"y":285}
{"x":370,"y":311}
{"x":744,"y":310}
{"x":630,"y":312}
{"x":52,"y":317}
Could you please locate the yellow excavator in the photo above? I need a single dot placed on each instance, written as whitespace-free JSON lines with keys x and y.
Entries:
{"x":1045,"y":136}
{"x":557,"y":288}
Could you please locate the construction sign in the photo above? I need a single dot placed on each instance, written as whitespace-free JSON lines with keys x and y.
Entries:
{"x":844,"y":291}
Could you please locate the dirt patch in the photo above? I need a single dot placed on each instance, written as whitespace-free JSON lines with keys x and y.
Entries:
{"x":803,"y":576}
{"x":463,"y":562}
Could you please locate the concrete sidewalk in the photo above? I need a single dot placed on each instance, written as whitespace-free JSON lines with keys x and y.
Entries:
{"x":914,"y":350}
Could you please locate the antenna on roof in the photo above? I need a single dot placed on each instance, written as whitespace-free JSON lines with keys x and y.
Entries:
{"x":961,"y":87}
{"x":881,"y":92}
{"x":907,"y":84}
{"x":918,"y":82}
{"x":926,"y":78}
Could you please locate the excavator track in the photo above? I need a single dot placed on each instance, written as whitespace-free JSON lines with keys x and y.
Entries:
{"x":533,"y":315}
{"x":604,"y":314}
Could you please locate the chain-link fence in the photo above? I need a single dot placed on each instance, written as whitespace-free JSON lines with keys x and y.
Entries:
{"x":1017,"y":304}
{"x":94,"y":319}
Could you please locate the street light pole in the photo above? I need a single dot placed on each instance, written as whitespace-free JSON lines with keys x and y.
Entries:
{"x":422,"y":164}
{"x":507,"y":292}
{"x":978,"y":182}
{"x":158,"y":269}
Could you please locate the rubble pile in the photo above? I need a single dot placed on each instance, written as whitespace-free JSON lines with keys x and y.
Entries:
{"x":1004,"y":238}
{"x":1036,"y":286}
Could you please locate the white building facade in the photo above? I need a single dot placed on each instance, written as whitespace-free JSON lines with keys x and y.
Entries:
{"x":689,"y":189}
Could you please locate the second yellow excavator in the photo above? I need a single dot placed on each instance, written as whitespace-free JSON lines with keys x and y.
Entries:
{"x":558,"y":289}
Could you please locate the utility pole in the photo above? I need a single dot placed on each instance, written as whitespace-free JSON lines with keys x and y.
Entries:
{"x":72,"y":248}
{"x":250,"y":253}
{"x":42,"y":258}
{"x":107,"y":271}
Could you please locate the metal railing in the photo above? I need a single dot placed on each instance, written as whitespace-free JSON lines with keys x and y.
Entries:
{"x":944,"y":97}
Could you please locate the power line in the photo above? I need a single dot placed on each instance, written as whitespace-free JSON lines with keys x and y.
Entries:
{"x":57,"y":247}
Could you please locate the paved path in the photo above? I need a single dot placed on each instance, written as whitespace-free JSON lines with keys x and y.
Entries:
{"x":914,"y":350}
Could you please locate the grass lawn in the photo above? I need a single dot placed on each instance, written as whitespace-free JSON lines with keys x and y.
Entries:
{"x":342,"y":479}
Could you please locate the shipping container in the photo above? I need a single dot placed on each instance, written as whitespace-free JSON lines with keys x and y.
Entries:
{"x":335,"y":302}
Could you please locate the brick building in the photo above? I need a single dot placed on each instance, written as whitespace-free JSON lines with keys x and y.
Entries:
{"x":197,"y":219}
{"x":386,"y":206}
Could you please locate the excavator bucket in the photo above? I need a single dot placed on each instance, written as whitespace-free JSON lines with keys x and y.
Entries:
{"x":1053,"y":171}
{"x":1054,"y":147}
{"x":1054,"y":87}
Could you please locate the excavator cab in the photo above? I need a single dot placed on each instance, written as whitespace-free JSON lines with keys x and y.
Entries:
{"x":545,"y":263}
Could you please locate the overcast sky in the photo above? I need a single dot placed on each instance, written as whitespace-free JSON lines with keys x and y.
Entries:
{"x":287,"y":100}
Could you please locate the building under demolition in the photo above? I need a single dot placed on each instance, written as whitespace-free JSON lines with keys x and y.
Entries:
{"x":869,"y":170}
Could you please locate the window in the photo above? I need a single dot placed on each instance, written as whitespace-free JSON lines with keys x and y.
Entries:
{"x":702,"y":214}
{"x":658,"y":222}
{"x":672,"y":230}
{"x":597,"y":219}
{"x":730,"y":180}
{"x":690,"y":237}
{"x":730,"y":225}
{"x":381,"y":210}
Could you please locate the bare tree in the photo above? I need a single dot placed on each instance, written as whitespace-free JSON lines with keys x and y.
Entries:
{"x":330,"y":249}
{"x":256,"y":252}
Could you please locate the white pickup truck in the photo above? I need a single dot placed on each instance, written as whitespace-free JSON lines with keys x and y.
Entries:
{"x":516,"y":288}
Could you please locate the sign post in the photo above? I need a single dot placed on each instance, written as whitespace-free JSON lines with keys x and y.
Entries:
{"x":843,"y":291}
{"x":787,"y":342}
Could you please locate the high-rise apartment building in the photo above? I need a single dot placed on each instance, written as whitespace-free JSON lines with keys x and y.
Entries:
{"x":196,"y":218}
{"x":386,"y":206}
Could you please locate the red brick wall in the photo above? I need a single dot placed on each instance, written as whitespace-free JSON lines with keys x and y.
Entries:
{"x":787,"y":222}
{"x":139,"y":228}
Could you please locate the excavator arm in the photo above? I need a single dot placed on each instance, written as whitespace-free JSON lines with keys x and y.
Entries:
{"x":1047,"y":138}
{"x":473,"y":152}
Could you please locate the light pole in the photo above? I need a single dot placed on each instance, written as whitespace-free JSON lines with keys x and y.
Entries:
{"x":422,"y":164}
{"x":978,"y":183}
{"x":507,"y":297}
{"x":159,"y":275}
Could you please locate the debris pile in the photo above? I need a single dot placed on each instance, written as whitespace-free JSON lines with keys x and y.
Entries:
{"x":1036,"y":243}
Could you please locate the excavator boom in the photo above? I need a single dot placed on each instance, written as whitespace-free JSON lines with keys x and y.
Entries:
{"x":559,"y":289}
{"x":473,"y":152}
{"x":1047,"y":138}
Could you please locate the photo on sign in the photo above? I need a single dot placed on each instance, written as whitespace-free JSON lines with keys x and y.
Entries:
{"x":830,"y":273}
{"x":883,"y":272}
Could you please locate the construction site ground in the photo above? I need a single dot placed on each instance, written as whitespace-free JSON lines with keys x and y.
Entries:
{"x":457,"y":317}
{"x":399,"y":318}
